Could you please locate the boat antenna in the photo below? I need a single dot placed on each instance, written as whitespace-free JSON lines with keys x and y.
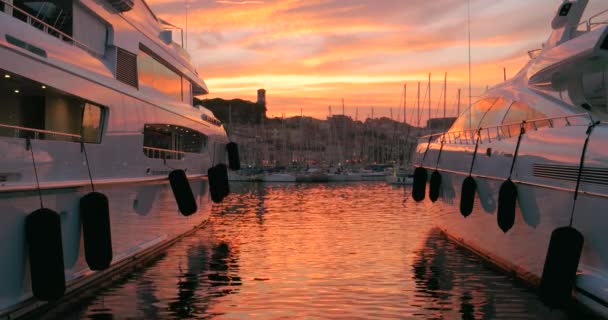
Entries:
{"x":469,"y":39}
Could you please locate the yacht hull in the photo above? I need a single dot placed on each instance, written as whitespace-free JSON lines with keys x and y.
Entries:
{"x":143,"y":217}
{"x":545,"y":202}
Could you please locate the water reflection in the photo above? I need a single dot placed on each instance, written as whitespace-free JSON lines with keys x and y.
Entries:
{"x":351,"y":251}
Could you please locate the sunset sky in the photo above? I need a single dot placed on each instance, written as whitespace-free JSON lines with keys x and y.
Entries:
{"x":310,"y":54}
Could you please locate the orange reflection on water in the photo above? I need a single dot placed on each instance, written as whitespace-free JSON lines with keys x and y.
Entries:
{"x":352,"y":250}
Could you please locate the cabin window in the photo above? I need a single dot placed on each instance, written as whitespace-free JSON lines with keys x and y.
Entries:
{"x":35,"y":110}
{"x":494,"y":116}
{"x":157,"y":75}
{"x":519,"y":112}
{"x":165,"y":141}
{"x":40,"y":14}
{"x":471,"y":118}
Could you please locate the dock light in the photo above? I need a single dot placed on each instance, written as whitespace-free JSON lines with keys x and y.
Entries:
{"x":7,"y":76}
{"x":16,"y":91}
{"x":43,"y":87}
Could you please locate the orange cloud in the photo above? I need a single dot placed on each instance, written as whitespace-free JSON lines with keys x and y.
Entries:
{"x":312,"y":54}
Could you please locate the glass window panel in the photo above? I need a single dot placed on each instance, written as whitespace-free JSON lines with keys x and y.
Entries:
{"x":164,"y":141}
{"x":91,"y":123}
{"x":471,"y":118}
{"x":156,"y":75}
{"x":495,"y":115}
{"x":29,"y":108}
{"x":520,"y":112}
{"x":479,"y":110}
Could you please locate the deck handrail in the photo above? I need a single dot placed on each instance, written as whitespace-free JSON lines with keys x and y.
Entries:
{"x":46,"y":27}
{"x":165,"y":154}
{"x":63,"y":134}
{"x":590,"y":23}
{"x":478,"y":131}
{"x":164,"y":150}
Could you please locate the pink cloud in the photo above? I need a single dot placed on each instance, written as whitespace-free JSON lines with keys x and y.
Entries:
{"x":311,"y":54}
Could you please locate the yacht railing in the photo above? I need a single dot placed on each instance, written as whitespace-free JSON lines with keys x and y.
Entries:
{"x":32,"y":133}
{"x":159,"y":153}
{"x":45,"y":27}
{"x":39,"y":133}
{"x":504,"y":131}
{"x":596,"y":20}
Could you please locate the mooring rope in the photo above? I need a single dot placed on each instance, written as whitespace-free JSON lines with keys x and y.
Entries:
{"x":83,"y":149}
{"x":580,"y":168}
{"x":440,"y":152}
{"x":28,"y":146}
{"x":475,"y":152}
{"x":522,"y":131}
{"x":426,"y":151}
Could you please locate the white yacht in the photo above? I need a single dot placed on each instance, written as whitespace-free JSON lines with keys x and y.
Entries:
{"x":560,"y":100}
{"x":96,"y":95}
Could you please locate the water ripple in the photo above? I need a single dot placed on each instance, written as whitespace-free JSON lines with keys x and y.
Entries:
{"x":335,"y":251}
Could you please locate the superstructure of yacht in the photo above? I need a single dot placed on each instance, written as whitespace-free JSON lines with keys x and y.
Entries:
{"x":542,"y":130}
{"x":95,"y":95}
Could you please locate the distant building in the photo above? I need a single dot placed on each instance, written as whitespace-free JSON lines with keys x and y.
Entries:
{"x":261,"y":97}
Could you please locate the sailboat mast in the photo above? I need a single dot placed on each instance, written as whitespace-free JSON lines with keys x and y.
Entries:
{"x":429,"y":85}
{"x":301,"y":136}
{"x":458,"y":109}
{"x":445,"y":93}
{"x":469,"y":39}
{"x":405,"y":103}
{"x":418,"y":124}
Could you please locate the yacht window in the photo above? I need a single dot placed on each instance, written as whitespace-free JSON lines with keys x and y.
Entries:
{"x":157,"y":75}
{"x":519,"y":112}
{"x":471,"y":118}
{"x":91,"y":122}
{"x":57,"y":14}
{"x":35,"y":110}
{"x":165,"y":141}
{"x":493,"y":117}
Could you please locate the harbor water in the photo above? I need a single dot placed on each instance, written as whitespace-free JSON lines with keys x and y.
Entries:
{"x":314,"y":251}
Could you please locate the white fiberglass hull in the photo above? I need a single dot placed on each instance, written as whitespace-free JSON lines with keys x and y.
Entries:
{"x":143,"y":211}
{"x":142,"y":215}
{"x":545,"y":200}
